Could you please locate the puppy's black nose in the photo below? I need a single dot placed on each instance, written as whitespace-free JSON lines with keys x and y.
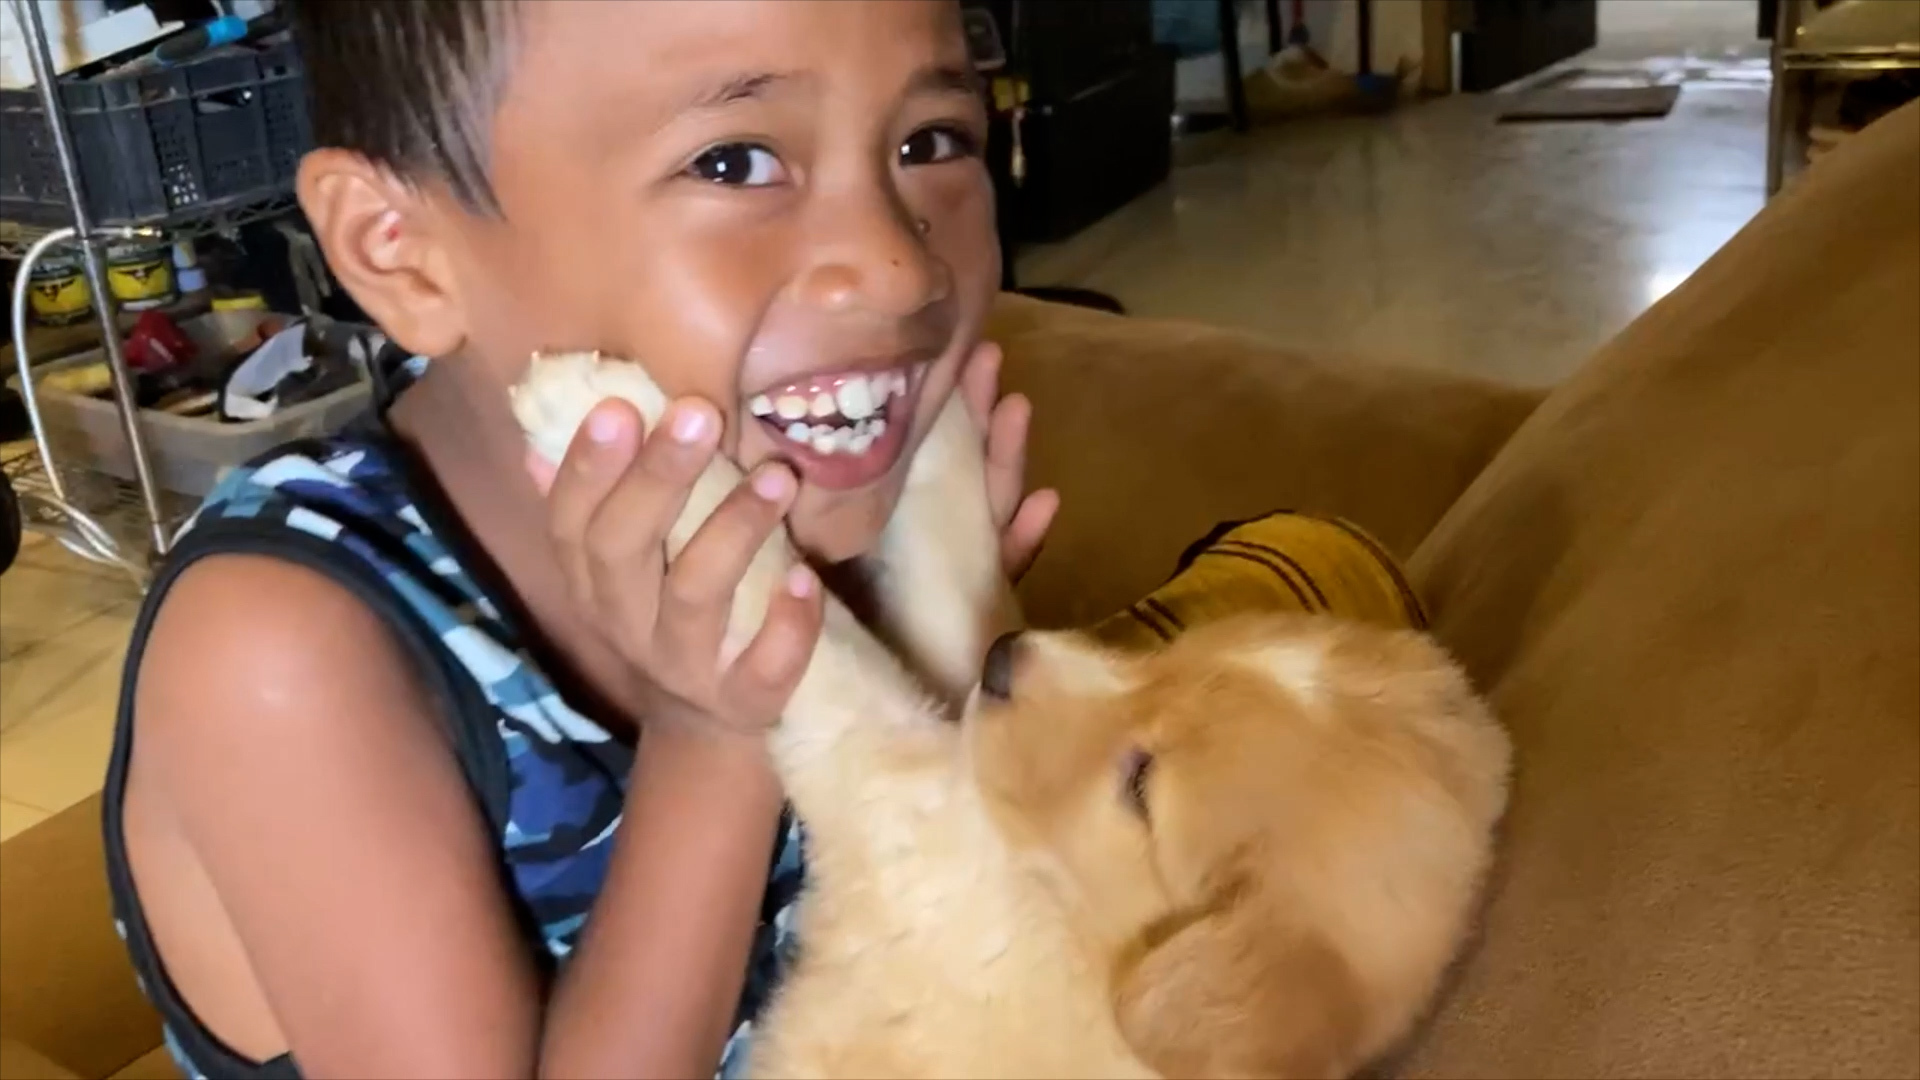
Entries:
{"x":996,"y":678}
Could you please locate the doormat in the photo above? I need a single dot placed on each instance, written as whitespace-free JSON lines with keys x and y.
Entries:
{"x":1592,"y":103}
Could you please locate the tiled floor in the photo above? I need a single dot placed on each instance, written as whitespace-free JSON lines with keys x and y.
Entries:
{"x":1435,"y":235}
{"x":63,"y":633}
{"x":1432,"y":235}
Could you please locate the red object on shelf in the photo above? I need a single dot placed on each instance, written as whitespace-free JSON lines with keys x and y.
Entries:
{"x":157,"y":344}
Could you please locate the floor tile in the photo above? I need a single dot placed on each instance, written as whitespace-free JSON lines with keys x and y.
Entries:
{"x":61,"y":757}
{"x":80,"y":665}
{"x":57,"y":701}
{"x":49,"y":591}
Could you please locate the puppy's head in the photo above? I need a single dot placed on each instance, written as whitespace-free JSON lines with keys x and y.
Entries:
{"x":1271,"y":831}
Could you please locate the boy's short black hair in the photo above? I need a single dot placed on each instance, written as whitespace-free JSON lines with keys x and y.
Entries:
{"x":409,"y":84}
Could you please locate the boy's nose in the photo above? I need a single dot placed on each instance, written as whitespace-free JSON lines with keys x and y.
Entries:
{"x":877,"y":260}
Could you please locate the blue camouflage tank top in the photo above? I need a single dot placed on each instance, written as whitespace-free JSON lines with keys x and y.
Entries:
{"x":550,"y":782}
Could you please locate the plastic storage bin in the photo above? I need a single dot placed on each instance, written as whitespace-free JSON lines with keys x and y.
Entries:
{"x":221,"y":130}
{"x":188,"y":454}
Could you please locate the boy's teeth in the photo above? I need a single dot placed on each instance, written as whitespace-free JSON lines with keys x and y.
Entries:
{"x":828,"y":440}
{"x":846,"y":418}
{"x":856,"y":398}
{"x":855,"y":438}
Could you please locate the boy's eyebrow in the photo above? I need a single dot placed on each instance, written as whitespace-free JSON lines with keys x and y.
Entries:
{"x":737,"y":88}
{"x":945,"y":79}
{"x":939,"y":79}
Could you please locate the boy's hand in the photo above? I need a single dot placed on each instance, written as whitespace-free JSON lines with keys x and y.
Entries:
{"x":1023,"y":517}
{"x":610,"y":505}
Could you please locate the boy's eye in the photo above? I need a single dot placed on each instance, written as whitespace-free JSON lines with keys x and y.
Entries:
{"x":738,"y":165}
{"x":931,"y":145}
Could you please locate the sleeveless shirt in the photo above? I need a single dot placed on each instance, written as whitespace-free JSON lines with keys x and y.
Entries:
{"x":549,"y":782}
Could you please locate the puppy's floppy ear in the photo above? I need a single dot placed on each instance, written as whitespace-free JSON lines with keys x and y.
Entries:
{"x":1233,"y":988}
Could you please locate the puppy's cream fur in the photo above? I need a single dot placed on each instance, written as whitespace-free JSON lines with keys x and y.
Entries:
{"x":1271,"y":833}
{"x":987,"y":899}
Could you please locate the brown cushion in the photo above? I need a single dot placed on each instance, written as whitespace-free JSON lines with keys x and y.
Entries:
{"x":19,"y":1062}
{"x":156,"y":1064}
{"x":1156,"y":431}
{"x":66,"y":988}
{"x":1691,"y":583}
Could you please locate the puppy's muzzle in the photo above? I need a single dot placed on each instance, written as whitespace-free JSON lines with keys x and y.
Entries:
{"x":996,"y":676}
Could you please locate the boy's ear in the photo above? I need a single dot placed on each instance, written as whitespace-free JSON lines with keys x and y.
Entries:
{"x":382,"y":241}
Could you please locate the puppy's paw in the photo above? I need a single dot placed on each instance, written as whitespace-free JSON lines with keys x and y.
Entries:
{"x":551,"y":402}
{"x":553,"y":398}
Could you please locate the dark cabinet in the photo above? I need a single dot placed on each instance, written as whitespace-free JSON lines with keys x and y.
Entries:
{"x":1095,"y":132}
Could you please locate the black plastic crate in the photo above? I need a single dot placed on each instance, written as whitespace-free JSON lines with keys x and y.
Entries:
{"x":222,"y":130}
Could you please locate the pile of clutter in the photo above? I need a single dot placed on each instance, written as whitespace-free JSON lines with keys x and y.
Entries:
{"x":241,"y":364}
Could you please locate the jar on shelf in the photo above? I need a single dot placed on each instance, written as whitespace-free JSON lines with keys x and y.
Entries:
{"x":140,"y":274}
{"x":57,"y":292}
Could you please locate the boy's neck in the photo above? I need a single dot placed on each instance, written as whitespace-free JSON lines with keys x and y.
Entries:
{"x":466,"y":437}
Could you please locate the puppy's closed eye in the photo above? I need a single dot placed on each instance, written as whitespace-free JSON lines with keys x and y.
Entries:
{"x":1136,"y":769}
{"x":996,"y":677}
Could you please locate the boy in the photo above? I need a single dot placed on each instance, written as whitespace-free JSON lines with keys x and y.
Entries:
{"x":438,"y":771}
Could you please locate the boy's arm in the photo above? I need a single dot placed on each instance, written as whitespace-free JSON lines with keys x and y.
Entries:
{"x":323,"y":800}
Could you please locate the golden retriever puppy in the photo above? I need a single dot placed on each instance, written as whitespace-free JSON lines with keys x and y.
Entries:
{"x":1250,"y":854}
{"x":1269,"y":835}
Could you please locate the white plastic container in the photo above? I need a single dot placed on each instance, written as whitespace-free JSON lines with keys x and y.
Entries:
{"x":188,"y":454}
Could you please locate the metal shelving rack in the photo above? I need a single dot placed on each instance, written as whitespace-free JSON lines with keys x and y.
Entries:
{"x":99,"y":517}
{"x":16,"y":238}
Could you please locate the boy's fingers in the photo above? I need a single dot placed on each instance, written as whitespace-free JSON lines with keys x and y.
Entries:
{"x":596,"y":459}
{"x":623,"y":539}
{"x":1024,"y":536}
{"x":1007,"y":455}
{"x":980,"y":382}
{"x":698,"y":593}
{"x":762,"y":678}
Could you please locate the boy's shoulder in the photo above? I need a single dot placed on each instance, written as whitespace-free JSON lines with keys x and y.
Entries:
{"x":348,"y":502}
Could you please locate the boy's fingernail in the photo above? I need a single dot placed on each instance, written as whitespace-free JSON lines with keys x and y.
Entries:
{"x":603,"y":426}
{"x":688,"y":426}
{"x":800,"y":582}
{"x":773,"y":483}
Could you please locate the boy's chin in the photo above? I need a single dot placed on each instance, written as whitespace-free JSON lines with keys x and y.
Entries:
{"x":836,"y":526}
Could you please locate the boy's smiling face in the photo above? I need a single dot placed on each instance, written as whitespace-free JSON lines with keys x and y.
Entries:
{"x":776,"y":205}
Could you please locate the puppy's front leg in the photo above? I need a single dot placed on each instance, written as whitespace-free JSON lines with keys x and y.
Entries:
{"x":554,"y":398}
{"x":848,"y":665}
{"x":943,"y":594}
